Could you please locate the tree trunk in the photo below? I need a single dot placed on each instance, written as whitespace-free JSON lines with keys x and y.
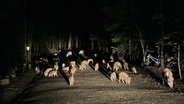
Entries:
{"x":59,"y":46}
{"x":92,"y":44}
{"x":141,"y":40}
{"x":70,"y":41}
{"x":76,"y":42}
{"x":162,"y":51}
{"x":130,"y":49}
{"x":142,"y":46}
{"x":162,"y":36}
{"x":179,"y":68}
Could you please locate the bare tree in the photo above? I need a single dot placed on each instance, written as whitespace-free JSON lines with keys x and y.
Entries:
{"x":179,"y":67}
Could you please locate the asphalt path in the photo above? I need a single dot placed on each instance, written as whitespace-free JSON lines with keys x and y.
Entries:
{"x":93,"y":87}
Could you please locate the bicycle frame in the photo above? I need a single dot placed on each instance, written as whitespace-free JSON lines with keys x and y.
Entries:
{"x":156,"y":60}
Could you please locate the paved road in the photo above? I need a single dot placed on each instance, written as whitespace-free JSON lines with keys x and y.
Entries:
{"x":93,"y":87}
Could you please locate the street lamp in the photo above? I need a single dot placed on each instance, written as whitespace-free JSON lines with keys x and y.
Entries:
{"x":27,"y":59}
{"x":27,"y":48}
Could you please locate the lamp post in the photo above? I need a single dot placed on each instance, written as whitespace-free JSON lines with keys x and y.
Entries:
{"x":27,"y":48}
{"x":27,"y":59}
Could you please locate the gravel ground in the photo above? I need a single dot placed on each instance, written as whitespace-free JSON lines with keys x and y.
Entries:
{"x":9,"y":93}
{"x":93,"y":87}
{"x":156,"y":73}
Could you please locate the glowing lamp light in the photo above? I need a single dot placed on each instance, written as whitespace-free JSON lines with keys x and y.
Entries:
{"x":27,"y":48}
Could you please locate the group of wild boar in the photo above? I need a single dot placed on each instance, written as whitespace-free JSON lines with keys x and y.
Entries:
{"x":117,"y":69}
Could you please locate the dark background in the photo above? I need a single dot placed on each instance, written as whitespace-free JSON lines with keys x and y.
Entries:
{"x":43,"y":18}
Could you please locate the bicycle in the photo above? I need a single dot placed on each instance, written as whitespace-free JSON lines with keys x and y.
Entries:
{"x":151,"y":57}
